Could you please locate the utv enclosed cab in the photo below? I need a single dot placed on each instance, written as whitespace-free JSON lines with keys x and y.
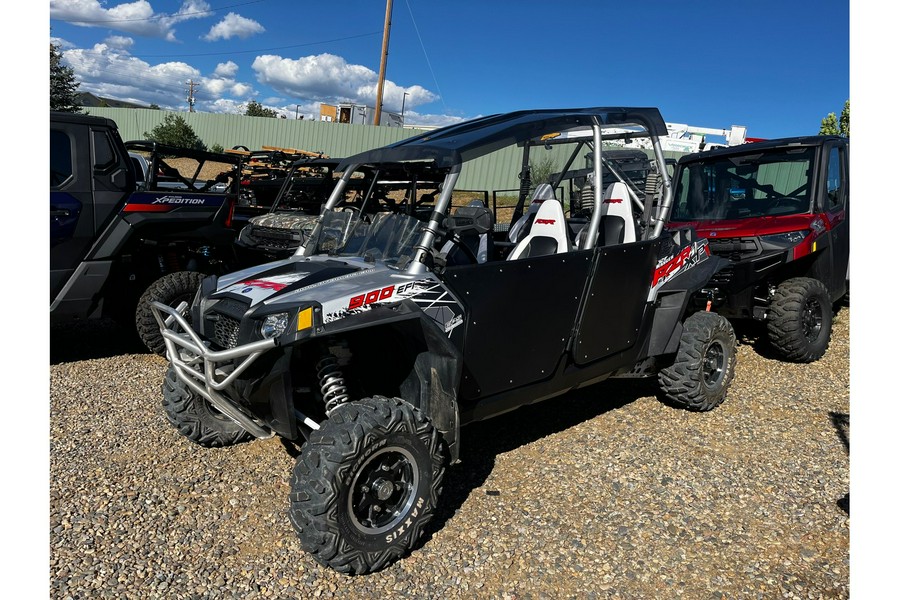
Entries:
{"x":779,"y":211}
{"x":372,"y":348}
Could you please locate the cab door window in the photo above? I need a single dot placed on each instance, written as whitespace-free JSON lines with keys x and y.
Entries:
{"x":834,"y":183}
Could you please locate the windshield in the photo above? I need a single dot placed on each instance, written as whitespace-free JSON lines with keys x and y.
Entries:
{"x":383,"y":236}
{"x":762,"y":184}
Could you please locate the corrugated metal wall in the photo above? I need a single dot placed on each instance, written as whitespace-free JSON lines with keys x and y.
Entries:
{"x":498,"y":171}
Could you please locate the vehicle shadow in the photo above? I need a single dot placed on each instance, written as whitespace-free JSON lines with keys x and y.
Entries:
{"x":482,"y":442}
{"x":85,"y":340}
{"x":841,"y":424}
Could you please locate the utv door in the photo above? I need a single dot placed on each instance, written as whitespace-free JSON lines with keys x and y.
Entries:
{"x":520,"y":316}
{"x":88,"y":180}
{"x":614,"y":307}
{"x":836,"y":207}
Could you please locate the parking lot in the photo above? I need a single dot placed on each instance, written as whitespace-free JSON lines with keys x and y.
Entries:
{"x":605,"y":492}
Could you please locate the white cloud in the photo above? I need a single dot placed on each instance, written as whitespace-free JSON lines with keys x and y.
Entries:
{"x":226,"y":69}
{"x":137,"y":18}
{"x":326,"y":77}
{"x":233,"y":25}
{"x":119,"y":42}
{"x":109,"y":72}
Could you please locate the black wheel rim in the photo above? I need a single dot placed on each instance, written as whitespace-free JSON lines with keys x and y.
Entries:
{"x":383,"y":490}
{"x":812,"y":319}
{"x":713,"y":364}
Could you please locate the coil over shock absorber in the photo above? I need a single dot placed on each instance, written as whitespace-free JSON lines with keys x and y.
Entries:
{"x":331,"y":378}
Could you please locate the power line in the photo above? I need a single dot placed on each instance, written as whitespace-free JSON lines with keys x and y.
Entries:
{"x":416,"y":27}
{"x":160,"y":16}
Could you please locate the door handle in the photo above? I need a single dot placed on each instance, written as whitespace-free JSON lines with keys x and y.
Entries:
{"x":60,"y":212}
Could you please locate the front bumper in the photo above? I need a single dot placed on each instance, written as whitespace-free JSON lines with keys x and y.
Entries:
{"x":212,"y":374}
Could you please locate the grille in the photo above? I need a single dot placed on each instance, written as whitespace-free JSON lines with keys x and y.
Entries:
{"x":734,"y":248}
{"x":225,"y":331}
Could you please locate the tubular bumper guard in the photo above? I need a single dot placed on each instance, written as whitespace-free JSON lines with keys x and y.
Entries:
{"x":206,"y":372}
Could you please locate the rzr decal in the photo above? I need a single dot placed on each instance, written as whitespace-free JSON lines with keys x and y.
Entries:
{"x":613,"y":201}
{"x":544,"y":221}
{"x":685,"y":259}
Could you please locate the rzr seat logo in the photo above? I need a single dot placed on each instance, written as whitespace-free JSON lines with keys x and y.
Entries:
{"x":684,"y":260}
{"x":613,"y":201}
{"x":544,"y":221}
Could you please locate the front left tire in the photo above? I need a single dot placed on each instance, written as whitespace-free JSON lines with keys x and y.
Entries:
{"x":366,"y":483}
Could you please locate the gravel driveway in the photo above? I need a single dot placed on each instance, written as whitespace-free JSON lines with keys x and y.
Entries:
{"x":602,"y":493}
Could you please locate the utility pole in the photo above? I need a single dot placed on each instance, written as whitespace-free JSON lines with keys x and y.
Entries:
{"x":384,"y":52}
{"x":190,"y":98}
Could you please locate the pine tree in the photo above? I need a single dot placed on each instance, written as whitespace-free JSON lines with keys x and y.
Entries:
{"x":831,"y":125}
{"x":175,"y":131}
{"x":63,"y":86}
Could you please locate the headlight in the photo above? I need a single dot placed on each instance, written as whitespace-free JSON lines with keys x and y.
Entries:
{"x":274,"y":325}
{"x":791,"y":238}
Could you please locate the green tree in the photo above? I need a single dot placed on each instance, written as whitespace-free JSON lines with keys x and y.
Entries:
{"x":255,"y":109}
{"x":63,"y":86}
{"x":845,"y":120}
{"x":154,"y":106}
{"x":175,"y":131}
{"x":541,"y":170}
{"x":831,"y":125}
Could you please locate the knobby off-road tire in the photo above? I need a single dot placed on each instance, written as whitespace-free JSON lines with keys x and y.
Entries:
{"x":366,"y":484}
{"x":169,"y":289}
{"x":698,"y":380}
{"x":800,"y":316}
{"x":195,"y":418}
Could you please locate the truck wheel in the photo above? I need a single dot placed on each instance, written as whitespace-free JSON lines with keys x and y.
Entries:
{"x":169,"y":289}
{"x":195,"y":418}
{"x":704,"y":365}
{"x":366,"y":483}
{"x":800,"y":316}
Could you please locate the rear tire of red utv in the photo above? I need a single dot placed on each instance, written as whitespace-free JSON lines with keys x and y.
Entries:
{"x":800,"y":317}
{"x":698,"y":380}
{"x":171,"y":290}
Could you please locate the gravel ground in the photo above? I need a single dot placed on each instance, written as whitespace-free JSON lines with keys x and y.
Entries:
{"x":603,"y":493}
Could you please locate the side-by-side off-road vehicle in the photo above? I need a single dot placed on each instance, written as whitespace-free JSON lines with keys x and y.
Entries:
{"x":401,"y":319}
{"x":779,"y":211}
{"x":127,"y":227}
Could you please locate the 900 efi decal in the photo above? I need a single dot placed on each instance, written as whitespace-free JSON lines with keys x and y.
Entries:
{"x":670,"y":267}
{"x":430,"y":296}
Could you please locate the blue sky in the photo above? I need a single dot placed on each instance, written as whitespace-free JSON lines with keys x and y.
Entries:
{"x":777,"y":67}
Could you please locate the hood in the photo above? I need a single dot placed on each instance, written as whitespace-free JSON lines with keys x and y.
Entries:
{"x":290,"y":220}
{"x":758,"y":226}
{"x":282,"y":278}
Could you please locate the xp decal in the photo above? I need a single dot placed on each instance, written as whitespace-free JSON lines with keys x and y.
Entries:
{"x":669,"y":267}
